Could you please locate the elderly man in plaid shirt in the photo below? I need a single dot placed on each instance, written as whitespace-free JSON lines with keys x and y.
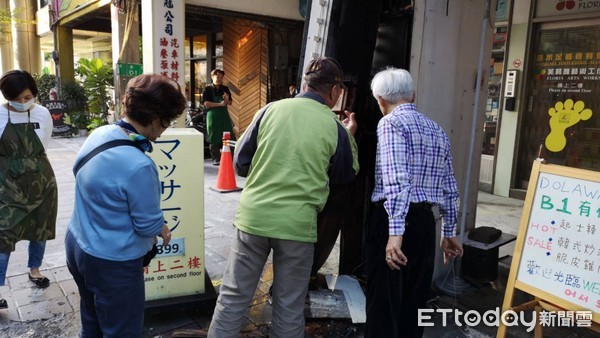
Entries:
{"x":413,"y":173}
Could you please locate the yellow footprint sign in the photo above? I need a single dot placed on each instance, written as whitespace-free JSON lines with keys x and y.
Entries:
{"x":562,"y":116}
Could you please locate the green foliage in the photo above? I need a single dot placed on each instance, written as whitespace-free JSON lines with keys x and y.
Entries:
{"x":74,"y":94}
{"x":44,"y":83}
{"x":6,"y":18}
{"x":78,"y":119}
{"x":95,"y":123}
{"x":97,"y":81}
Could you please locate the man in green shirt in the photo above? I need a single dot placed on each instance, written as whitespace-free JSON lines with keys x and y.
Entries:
{"x":291,"y":152}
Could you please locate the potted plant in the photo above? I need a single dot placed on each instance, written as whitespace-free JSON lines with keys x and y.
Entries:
{"x":97,"y":81}
{"x":45,"y":83}
{"x":78,"y":117}
{"x":80,"y":121}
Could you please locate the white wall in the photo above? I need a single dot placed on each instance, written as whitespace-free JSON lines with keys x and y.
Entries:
{"x":287,"y":9}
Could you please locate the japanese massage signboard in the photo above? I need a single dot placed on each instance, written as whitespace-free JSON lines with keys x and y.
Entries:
{"x":178,"y":269}
{"x":557,"y":254}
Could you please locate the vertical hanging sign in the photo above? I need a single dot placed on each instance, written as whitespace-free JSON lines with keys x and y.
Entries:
{"x":163,"y":38}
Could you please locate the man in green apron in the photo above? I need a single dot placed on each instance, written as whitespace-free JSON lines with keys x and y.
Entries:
{"x":216,"y":98}
{"x":28,"y":192}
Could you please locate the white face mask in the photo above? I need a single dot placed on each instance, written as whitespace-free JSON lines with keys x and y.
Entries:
{"x":21,"y":106}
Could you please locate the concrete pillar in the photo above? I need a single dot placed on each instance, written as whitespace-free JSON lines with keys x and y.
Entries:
{"x":25,"y":43}
{"x":125,"y":47}
{"x":446,"y":50}
{"x":66,"y":63}
{"x":6,"y":52}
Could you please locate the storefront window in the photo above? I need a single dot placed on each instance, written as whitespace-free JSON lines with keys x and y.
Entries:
{"x":188,"y":87}
{"x":196,"y":74}
{"x":198,"y":65}
{"x":199,"y":46}
{"x":219,"y":49}
{"x":201,"y":76}
{"x":561,"y":120}
{"x":219,"y":55}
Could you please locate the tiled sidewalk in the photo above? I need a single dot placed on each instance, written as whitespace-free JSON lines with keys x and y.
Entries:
{"x":54,"y":311}
{"x":56,"y":308}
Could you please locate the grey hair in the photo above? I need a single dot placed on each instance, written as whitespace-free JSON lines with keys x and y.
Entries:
{"x":393,"y":85}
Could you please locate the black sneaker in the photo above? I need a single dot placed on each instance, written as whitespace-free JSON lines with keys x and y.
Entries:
{"x":3,"y":304}
{"x":215,"y":162}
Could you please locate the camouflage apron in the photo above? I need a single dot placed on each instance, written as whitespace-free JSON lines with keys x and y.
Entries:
{"x":28,"y":193}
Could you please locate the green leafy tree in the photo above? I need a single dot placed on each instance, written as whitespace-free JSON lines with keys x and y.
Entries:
{"x":97,"y":82}
{"x":5,"y":32}
{"x":74,"y":94}
{"x":44,"y":83}
{"x":6,"y":18}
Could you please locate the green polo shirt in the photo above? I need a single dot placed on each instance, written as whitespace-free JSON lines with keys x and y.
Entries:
{"x":295,"y":148}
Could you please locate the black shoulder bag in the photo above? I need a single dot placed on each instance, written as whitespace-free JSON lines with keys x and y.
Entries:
{"x":111,"y":144}
{"x":103,"y":147}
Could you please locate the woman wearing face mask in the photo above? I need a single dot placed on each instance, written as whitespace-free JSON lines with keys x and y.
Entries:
{"x":28,"y":193}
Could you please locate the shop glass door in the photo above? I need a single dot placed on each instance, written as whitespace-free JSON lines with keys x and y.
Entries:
{"x":561,"y":120}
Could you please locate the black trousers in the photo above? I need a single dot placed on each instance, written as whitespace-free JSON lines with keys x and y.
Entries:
{"x":394,"y":296}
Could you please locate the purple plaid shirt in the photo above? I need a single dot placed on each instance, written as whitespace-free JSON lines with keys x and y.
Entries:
{"x":413,"y":165}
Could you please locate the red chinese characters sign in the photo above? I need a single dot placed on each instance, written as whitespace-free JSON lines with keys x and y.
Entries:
{"x":164,"y":38}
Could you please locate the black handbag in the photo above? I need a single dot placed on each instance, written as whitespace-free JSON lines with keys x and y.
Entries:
{"x":150,"y":254}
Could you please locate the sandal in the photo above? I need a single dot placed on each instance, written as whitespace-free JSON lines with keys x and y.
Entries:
{"x":40,"y":282}
{"x":3,"y":304}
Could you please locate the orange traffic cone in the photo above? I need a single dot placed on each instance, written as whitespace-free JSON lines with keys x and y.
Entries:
{"x":226,"y":177}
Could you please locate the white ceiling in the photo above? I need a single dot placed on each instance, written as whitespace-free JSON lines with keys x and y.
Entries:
{"x":84,"y":43}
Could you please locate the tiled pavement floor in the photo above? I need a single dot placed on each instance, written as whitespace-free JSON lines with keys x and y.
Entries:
{"x":54,"y":311}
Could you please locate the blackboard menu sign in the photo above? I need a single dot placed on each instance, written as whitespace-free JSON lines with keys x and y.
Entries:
{"x":58,"y":109}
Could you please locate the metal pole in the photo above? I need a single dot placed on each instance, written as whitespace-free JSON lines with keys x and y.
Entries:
{"x":464,"y":206}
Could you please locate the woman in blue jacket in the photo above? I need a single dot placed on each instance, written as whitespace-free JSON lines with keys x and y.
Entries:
{"x":117,"y":213}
